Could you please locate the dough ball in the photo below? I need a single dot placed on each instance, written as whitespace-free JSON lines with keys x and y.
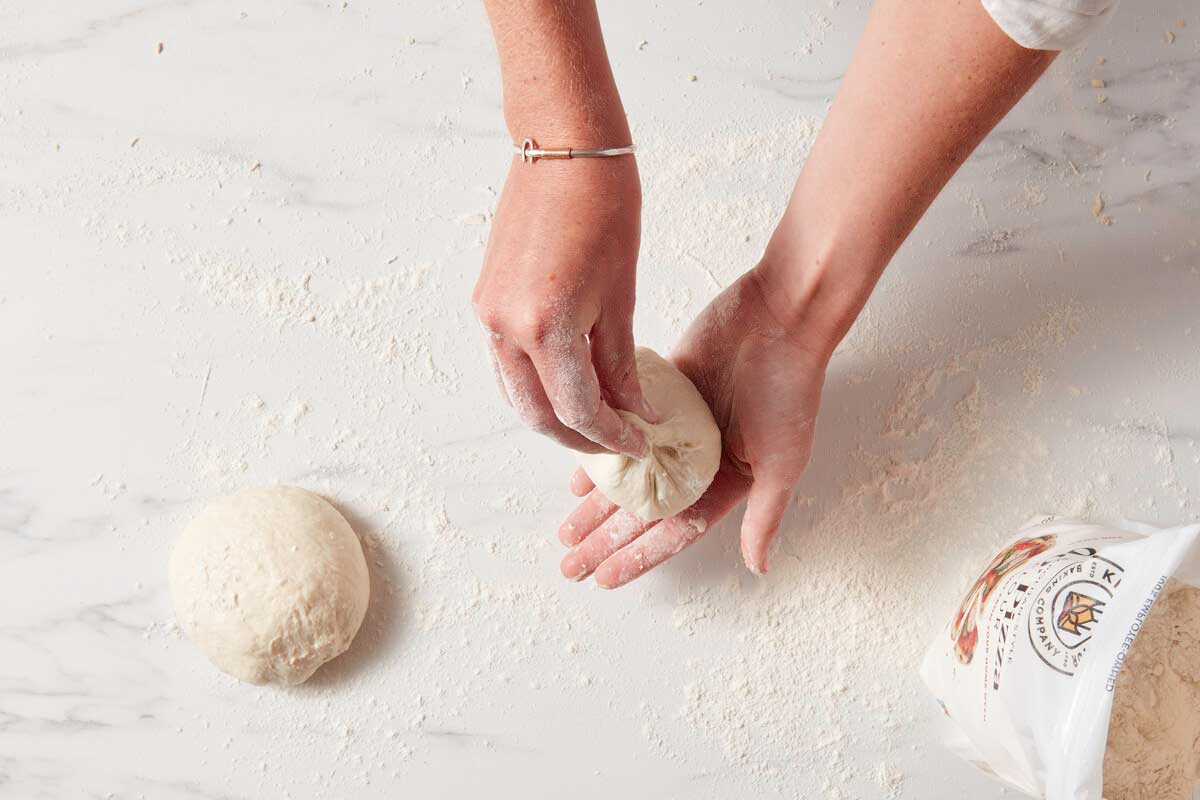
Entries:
{"x":269,"y":584}
{"x":685,"y":447}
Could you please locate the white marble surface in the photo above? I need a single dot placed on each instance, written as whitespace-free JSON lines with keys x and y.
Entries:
{"x":247,"y":259}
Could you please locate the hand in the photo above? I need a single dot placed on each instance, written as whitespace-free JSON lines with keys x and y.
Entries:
{"x":556,"y":297}
{"x":763,"y":381}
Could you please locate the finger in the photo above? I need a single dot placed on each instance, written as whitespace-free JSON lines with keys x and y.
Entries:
{"x":616,"y":366}
{"x":564,"y":365}
{"x":589,"y":515}
{"x":581,"y":484}
{"x":765,"y":508}
{"x":493,"y":339}
{"x":524,"y":390}
{"x":617,"y":531}
{"x":673,"y":535}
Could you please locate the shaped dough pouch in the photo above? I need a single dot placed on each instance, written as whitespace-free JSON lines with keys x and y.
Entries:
{"x":685,"y":447}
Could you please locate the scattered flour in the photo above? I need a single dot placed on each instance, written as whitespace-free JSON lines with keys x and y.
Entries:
{"x":798,"y":684}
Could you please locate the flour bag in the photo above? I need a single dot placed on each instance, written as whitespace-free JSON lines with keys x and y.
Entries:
{"x":1027,"y":668}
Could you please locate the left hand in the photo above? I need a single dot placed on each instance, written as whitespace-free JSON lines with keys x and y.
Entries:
{"x":556,"y":297}
{"x":763,"y":383}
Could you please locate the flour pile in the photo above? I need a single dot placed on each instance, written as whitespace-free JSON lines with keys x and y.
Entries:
{"x":1154,"y":734}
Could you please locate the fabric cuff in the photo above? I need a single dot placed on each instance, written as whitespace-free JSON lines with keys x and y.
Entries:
{"x":1049,"y":24}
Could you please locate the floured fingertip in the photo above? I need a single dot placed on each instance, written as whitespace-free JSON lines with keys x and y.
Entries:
{"x":580,"y":484}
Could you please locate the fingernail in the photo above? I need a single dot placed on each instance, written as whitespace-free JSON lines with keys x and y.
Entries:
{"x":575,"y":574}
{"x":758,"y":568}
{"x":648,"y":412}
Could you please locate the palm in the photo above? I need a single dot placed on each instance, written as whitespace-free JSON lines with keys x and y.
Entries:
{"x":764,"y":389}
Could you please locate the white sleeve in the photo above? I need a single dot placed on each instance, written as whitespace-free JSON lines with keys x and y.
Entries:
{"x":1049,"y":24}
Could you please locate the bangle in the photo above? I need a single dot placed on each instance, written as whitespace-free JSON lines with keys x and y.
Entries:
{"x":529,"y":151}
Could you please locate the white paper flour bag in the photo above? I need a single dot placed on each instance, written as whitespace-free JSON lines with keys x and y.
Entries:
{"x":1027,"y":667}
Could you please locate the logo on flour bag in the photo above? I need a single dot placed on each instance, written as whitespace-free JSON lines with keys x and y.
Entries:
{"x":1069,"y":605}
{"x":965,"y":630}
{"x":1054,"y":599}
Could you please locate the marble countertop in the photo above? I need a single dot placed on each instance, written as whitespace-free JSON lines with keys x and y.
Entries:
{"x":238,"y":242}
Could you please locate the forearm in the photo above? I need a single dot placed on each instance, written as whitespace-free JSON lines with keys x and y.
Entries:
{"x":930,"y":79}
{"x":558,"y":85}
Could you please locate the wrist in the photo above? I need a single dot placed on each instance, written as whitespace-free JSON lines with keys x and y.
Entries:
{"x":572,"y":119}
{"x":815,"y":286}
{"x":591,"y":188}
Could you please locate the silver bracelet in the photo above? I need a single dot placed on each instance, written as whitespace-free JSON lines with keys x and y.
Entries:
{"x":529,"y":151}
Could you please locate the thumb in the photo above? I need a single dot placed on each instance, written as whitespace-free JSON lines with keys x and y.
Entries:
{"x":616,"y":366}
{"x":764,"y":511}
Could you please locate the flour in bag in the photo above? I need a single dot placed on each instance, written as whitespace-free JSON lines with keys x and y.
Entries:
{"x":1154,"y":734}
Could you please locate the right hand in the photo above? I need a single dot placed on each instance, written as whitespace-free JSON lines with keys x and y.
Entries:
{"x":556,"y":298}
{"x":761,"y":373}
